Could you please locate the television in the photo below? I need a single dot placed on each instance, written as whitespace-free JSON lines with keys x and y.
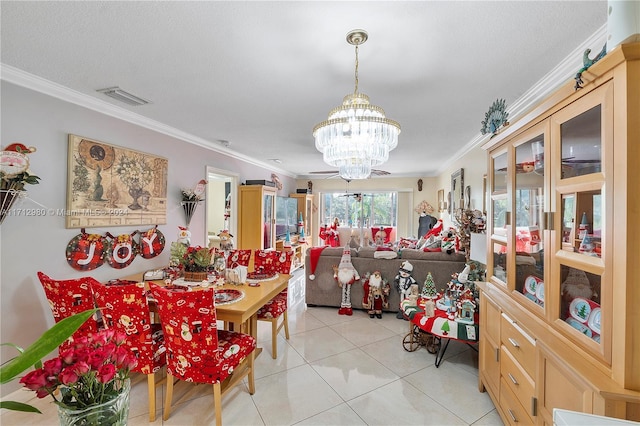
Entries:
{"x":286,"y":216}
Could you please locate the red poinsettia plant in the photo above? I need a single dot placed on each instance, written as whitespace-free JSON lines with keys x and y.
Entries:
{"x":90,"y":372}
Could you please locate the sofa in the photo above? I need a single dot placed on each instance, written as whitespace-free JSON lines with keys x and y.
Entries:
{"x":323,"y":289}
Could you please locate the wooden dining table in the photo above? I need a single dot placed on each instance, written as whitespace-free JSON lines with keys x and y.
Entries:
{"x":244,"y":312}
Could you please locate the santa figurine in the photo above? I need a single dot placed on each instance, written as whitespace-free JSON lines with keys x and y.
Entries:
{"x":346,"y":275}
{"x":376,"y":294}
{"x":403,"y":282}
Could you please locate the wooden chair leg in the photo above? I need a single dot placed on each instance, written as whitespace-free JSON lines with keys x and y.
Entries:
{"x":251,"y":380}
{"x":217,"y":403}
{"x":151,"y":386}
{"x":274,"y":338}
{"x":167,"y":402}
{"x":286,"y":324}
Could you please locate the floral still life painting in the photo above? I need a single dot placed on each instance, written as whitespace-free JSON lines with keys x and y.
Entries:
{"x":109,"y":185}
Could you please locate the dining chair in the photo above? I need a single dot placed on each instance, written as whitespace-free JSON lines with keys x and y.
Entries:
{"x":197,"y":351}
{"x":275,"y":262}
{"x":70,"y":297}
{"x":238,"y":257}
{"x":124,"y":307}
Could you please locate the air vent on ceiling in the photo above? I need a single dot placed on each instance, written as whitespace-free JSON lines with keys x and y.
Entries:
{"x":123,"y":96}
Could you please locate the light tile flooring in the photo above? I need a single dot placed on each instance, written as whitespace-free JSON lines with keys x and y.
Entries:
{"x":334,"y":370}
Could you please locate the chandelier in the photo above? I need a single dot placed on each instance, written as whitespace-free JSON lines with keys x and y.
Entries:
{"x":357,"y":136}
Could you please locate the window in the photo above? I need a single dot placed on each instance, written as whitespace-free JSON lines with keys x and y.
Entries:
{"x":360,"y":209}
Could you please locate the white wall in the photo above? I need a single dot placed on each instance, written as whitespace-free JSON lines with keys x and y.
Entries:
{"x":30,"y":244}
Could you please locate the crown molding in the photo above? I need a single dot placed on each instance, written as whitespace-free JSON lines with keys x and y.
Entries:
{"x":555,"y":78}
{"x":30,"y":81}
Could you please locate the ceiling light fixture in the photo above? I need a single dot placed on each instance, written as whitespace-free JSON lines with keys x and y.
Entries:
{"x":123,"y":96}
{"x":357,"y":135}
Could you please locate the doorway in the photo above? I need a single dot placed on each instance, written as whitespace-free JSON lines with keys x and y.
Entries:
{"x":221,"y":203}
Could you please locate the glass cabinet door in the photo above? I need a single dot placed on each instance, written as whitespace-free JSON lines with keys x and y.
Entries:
{"x":528,"y":216}
{"x":583,"y":162}
{"x":268,"y":220}
{"x":500,"y":217}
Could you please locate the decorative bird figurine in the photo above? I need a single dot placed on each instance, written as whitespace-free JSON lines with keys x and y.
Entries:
{"x":586,"y":63}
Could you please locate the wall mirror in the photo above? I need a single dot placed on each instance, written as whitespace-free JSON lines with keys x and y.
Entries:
{"x":222,"y":203}
{"x":457,"y":193}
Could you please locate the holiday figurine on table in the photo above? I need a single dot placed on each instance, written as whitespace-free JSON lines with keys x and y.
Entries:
{"x":346,"y":275}
{"x":429,"y":293}
{"x":376,"y":294}
{"x":403,"y":282}
{"x":184,"y":236}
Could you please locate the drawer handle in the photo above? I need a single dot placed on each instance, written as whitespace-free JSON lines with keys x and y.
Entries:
{"x":513,"y":417}
{"x":514,"y":342}
{"x":513,"y":379}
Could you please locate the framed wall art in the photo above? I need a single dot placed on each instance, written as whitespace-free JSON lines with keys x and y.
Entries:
{"x":442,"y":206}
{"x":457,"y":193}
{"x":108,"y":185}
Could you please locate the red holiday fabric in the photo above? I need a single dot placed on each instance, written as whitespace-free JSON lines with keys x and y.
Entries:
{"x":124,"y":307}
{"x":273,"y":261}
{"x":314,"y":257}
{"x":70,"y":297}
{"x":238,"y":258}
{"x":196,"y":350}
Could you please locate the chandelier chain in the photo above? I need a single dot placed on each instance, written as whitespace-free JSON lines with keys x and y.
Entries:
{"x":356,"y":88}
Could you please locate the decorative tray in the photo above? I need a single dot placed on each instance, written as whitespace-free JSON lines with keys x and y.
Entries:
{"x":256,"y":277}
{"x":225,"y":296}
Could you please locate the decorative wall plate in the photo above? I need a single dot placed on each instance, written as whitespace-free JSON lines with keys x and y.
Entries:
{"x":579,"y":326}
{"x":580,"y":309}
{"x":594,"y":320}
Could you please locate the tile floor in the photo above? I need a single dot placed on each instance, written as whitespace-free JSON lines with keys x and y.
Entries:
{"x":334,"y":370}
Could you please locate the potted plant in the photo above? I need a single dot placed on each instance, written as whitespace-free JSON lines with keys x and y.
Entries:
{"x":89,"y":381}
{"x":194,"y":260}
{"x":48,"y":342}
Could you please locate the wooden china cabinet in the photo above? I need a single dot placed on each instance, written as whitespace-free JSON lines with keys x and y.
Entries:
{"x":305,"y":206}
{"x":256,"y":224}
{"x":560,"y":311}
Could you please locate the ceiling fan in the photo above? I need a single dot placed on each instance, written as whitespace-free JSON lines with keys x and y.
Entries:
{"x":335,"y":173}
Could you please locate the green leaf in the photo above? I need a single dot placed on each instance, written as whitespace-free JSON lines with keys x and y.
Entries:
{"x":19,"y":406}
{"x":48,"y":342}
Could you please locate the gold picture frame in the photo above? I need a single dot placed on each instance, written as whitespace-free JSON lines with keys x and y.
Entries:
{"x":457,"y":193}
{"x":442,"y":205}
{"x":108,"y":185}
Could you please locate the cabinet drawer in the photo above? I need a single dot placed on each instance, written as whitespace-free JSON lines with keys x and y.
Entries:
{"x":519,"y":344}
{"x":514,"y":412}
{"x":517,"y":379}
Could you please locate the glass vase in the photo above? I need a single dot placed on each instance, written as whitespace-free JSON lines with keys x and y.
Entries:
{"x":114,"y":412}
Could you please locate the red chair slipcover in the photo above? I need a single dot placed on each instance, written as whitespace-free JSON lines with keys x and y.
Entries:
{"x":197,"y":351}
{"x":238,"y":258}
{"x":70,"y":297}
{"x":275,"y":262}
{"x":125,"y":308}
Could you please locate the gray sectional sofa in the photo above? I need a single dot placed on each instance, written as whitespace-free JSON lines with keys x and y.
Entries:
{"x":323,"y":290}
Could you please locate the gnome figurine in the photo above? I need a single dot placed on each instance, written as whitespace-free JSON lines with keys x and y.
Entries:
{"x":346,"y":275}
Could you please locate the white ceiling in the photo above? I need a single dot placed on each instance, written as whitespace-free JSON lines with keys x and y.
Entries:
{"x":261,"y":74}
